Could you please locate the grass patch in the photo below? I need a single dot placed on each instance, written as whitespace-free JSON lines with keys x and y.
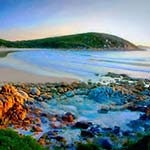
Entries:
{"x":90,"y":146}
{"x":143,"y":144}
{"x":11,"y":140}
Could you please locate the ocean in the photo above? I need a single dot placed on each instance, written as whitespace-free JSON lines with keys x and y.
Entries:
{"x":80,"y":64}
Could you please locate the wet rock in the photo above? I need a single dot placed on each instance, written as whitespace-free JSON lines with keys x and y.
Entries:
{"x":146,"y":92}
{"x":43,"y":114}
{"x":42,"y":141}
{"x":141,"y":108}
{"x":83,"y":124}
{"x":36,"y":128}
{"x":103,"y":109}
{"x":60,"y":139}
{"x":86,"y":133}
{"x":139,"y":129}
{"x":81,"y":92}
{"x":70,"y":94}
{"x":68,"y":117}
{"x":44,"y":96}
{"x":54,"y":119}
{"x":144,"y":117}
{"x":61,"y":90}
{"x":56,"y":124}
{"x":107,"y":129}
{"x":35,"y":91}
{"x":44,"y":120}
{"x":40,"y":99}
{"x":147,"y":111}
{"x":95,"y":129}
{"x":106,"y":94}
{"x":75,"y":84}
{"x":116,"y":130}
{"x":27,"y":121}
{"x":126,"y":133}
{"x":52,"y":134}
{"x":38,"y":120}
{"x":96,"y":74}
{"x":53,"y":90}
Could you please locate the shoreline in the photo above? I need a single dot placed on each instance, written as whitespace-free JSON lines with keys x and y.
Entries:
{"x":9,"y":74}
{"x":13,"y":75}
{"x":88,"y":49}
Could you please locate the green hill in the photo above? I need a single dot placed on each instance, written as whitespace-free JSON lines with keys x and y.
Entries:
{"x":4,"y":43}
{"x":76,"y":41}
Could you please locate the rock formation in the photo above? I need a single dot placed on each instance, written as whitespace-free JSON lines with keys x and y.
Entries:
{"x":12,"y":105}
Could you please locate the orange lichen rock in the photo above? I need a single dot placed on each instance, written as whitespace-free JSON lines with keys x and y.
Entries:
{"x":12,"y":108}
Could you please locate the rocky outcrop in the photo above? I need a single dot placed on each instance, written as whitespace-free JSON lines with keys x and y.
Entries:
{"x":12,"y":105}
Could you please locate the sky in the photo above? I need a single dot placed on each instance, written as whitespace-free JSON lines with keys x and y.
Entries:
{"x":32,"y":19}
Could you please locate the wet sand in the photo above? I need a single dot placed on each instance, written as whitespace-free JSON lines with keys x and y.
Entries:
{"x":13,"y":75}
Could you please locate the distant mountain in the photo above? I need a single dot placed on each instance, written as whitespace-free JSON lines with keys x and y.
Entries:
{"x":76,"y":41}
{"x":144,"y":47}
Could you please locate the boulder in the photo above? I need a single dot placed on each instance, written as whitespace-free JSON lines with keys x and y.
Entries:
{"x":106,"y":94}
{"x":12,"y":105}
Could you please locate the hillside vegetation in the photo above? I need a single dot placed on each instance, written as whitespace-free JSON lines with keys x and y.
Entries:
{"x":76,"y":41}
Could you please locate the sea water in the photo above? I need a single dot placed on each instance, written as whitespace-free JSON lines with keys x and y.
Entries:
{"x":80,"y":64}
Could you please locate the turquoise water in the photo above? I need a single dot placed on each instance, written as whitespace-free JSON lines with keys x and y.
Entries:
{"x":81,"y":64}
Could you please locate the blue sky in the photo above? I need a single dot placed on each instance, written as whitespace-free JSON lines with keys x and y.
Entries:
{"x":31,"y":19}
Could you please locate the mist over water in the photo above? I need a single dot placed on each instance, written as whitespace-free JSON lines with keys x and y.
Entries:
{"x":80,"y":64}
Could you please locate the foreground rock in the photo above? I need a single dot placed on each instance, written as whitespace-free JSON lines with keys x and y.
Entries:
{"x":65,"y":115}
{"x":12,"y":105}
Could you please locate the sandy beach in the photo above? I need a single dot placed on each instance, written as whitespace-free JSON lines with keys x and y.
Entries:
{"x":13,"y":75}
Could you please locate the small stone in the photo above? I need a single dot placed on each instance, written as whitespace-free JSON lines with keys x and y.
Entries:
{"x":44,"y":120}
{"x":70,"y":94}
{"x":103,"y":109}
{"x":46,"y":96}
{"x":96,"y":129}
{"x":60,"y":138}
{"x":42,"y":141}
{"x":68,"y":117}
{"x":37,"y":129}
{"x":83,"y":124}
{"x":147,"y":111}
{"x":86,"y":133}
{"x":96,"y":74}
{"x":53,"y":119}
{"x":35,"y":91}
{"x":116,"y":130}
{"x":53,"y":90}
{"x":38,"y":120}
